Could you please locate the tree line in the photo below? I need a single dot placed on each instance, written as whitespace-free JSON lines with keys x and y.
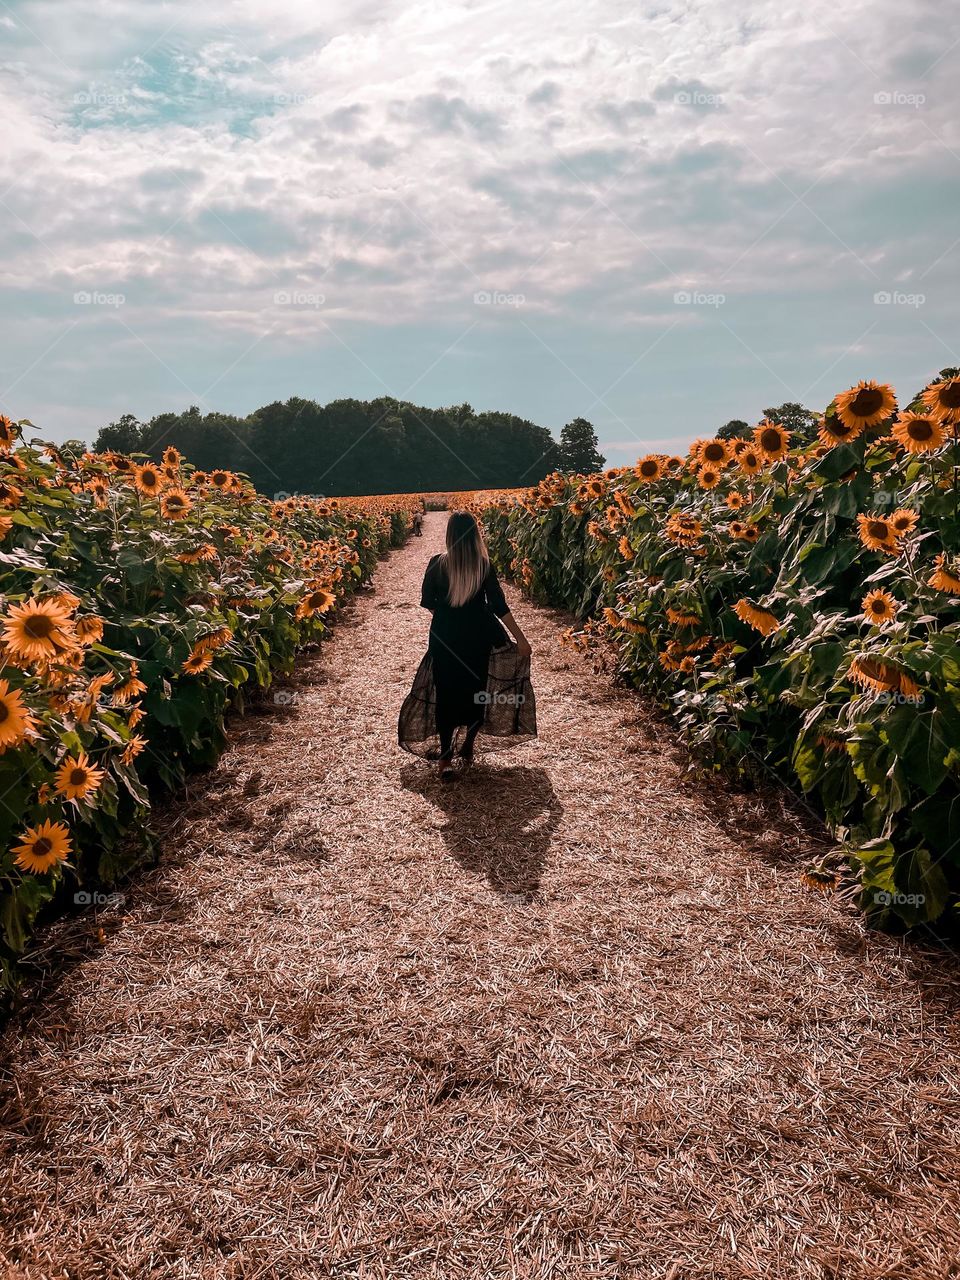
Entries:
{"x":351,"y":446}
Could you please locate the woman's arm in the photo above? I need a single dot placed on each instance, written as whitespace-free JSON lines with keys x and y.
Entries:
{"x":498,"y":603}
{"x":428,"y":592}
{"x":523,"y":644}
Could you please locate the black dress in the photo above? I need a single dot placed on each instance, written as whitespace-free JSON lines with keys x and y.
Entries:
{"x":471,"y":674}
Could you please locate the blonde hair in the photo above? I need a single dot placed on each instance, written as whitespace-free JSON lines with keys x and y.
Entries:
{"x":465,"y":559}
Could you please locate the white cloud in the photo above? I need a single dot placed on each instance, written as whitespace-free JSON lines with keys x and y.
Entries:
{"x":398,"y":158}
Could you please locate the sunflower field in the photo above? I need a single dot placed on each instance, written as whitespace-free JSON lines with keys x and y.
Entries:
{"x":138,"y":602}
{"x":798,"y":608}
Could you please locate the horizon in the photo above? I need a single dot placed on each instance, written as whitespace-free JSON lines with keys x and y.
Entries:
{"x":657,"y":221}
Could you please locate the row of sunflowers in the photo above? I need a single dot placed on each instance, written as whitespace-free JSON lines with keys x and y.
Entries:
{"x":138,"y":602}
{"x":797,"y":605}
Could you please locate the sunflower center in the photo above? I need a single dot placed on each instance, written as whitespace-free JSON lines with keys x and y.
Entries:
{"x":78,"y":777}
{"x":770,"y":440}
{"x":714,"y":452}
{"x":878,"y":606}
{"x":950,"y":395}
{"x":866,"y":402}
{"x":649,"y":468}
{"x":38,"y":627}
{"x":877,"y":529}
{"x":150,"y":477}
{"x":42,"y":847}
{"x":920,"y":429}
{"x":4,"y":712}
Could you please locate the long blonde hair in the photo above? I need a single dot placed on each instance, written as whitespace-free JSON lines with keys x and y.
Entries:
{"x":465,"y":559}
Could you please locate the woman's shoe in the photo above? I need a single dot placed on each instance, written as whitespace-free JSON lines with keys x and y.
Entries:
{"x":447,"y":771}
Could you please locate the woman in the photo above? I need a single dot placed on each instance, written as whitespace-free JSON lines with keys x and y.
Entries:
{"x":472,"y":679}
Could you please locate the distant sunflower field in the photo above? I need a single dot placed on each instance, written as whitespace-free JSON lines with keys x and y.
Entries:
{"x":137,"y":602}
{"x":798,"y":608}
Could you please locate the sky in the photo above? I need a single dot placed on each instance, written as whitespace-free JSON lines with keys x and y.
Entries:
{"x":655,"y":214}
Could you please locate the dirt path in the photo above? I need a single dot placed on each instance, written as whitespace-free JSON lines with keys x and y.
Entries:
{"x":553,"y":1021}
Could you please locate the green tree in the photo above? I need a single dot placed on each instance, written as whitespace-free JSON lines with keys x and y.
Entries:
{"x":799,"y":421}
{"x":578,"y":448}
{"x":736,"y":427}
{"x":124,"y":436}
{"x":351,"y":446}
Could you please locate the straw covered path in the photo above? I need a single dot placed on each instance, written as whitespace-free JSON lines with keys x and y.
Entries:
{"x":573,"y":1016}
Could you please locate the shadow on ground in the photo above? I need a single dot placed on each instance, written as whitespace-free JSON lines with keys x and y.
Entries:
{"x":500,"y":821}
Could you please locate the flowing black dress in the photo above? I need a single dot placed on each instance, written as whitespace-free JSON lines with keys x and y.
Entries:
{"x":471,"y":674}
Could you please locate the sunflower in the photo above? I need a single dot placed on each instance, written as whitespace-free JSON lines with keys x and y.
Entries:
{"x":205,"y":552}
{"x":876,"y":533}
{"x":37,"y":629}
{"x":760,"y":619}
{"x":772,"y":440}
{"x":942,"y":399}
{"x":8,"y":433}
{"x":750,"y":533}
{"x":172,"y":456}
{"x":735,"y":501}
{"x":904,"y":521}
{"x":688,"y":664}
{"x":100,"y":490}
{"x":319,"y":600}
{"x":683,"y":529}
{"x":918,"y":432}
{"x":943,"y":580}
{"x":133,"y":749}
{"x":222,"y":480}
{"x":197,"y":662}
{"x":15,"y":720}
{"x":148,"y":479}
{"x":649,"y":469}
{"x":879,"y":607}
{"x":750,"y":460}
{"x":132,"y":687}
{"x":866,"y":405}
{"x":213,"y":640}
{"x":708,"y":477}
{"x":880,"y":677}
{"x":715,"y":453}
{"x":681,"y":619}
{"x":175,"y":504}
{"x":6,"y":524}
{"x":89,"y":630}
{"x":621,"y":499}
{"x":43,"y":847}
{"x":78,"y":778}
{"x":611,"y":617}
{"x":736,"y":528}
{"x":625,"y":548}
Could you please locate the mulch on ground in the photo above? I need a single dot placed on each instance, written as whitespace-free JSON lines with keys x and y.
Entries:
{"x":572,"y":1016}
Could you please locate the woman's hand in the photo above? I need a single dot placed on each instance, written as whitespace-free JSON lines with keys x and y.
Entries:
{"x":523,"y":647}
